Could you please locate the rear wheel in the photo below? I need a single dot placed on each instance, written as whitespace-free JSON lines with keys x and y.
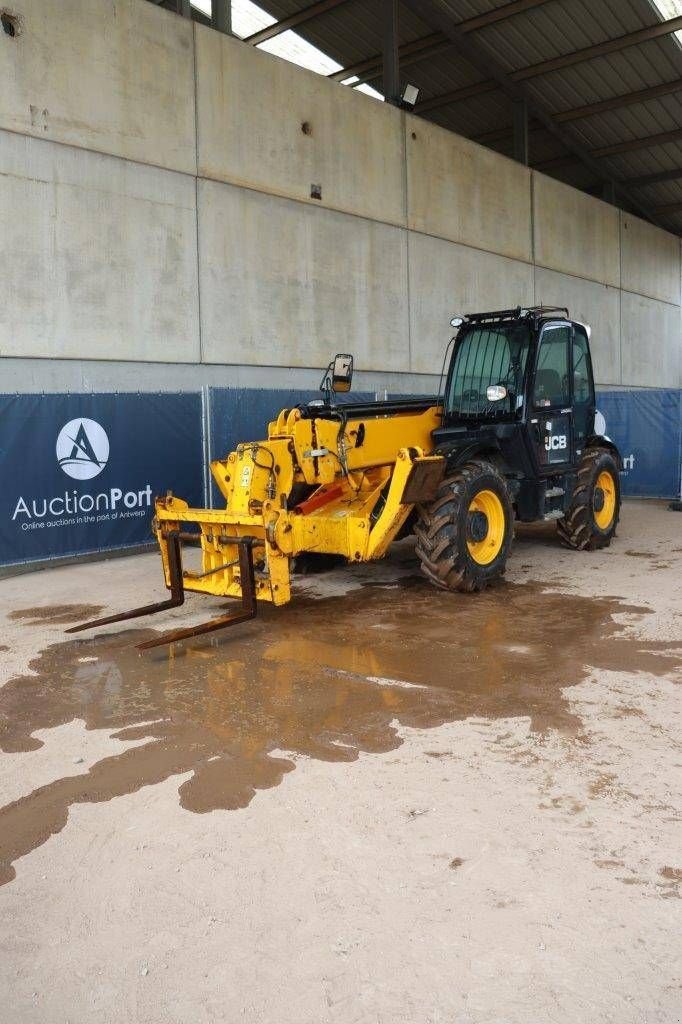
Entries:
{"x":464,"y":536}
{"x":591,"y":520}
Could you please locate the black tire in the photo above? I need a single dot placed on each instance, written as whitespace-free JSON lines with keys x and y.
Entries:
{"x":580,"y":529}
{"x":446,"y":529}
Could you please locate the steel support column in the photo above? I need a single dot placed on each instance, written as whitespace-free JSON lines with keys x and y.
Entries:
{"x":221,"y":16}
{"x":391,"y":59}
{"x":521,"y":131}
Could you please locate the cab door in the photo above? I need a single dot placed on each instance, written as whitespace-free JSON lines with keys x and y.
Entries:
{"x":552,"y":411}
{"x":584,"y":406}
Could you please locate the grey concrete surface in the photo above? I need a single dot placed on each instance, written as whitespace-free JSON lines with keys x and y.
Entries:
{"x":649,"y":260}
{"x":99,"y":255}
{"x":27,"y":376}
{"x":466,"y":193}
{"x":445,"y":279}
{"x":112,"y":77}
{"x":651,"y":350}
{"x":575,"y":233}
{"x":279,"y":277}
{"x":352,"y":146}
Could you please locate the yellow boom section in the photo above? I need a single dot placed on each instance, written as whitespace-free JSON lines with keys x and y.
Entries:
{"x":320,"y":483}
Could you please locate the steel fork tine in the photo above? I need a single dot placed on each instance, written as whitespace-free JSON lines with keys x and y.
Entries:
{"x":247,"y":611}
{"x":177,"y":592}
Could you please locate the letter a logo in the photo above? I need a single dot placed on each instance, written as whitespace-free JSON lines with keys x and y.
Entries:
{"x":82,"y":449}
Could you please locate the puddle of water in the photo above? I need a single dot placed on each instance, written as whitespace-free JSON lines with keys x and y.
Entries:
{"x":315,"y":679}
{"x":57,"y":613}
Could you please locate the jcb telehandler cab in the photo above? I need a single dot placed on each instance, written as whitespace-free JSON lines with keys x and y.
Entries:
{"x":512,"y":434}
{"x":518,"y":437}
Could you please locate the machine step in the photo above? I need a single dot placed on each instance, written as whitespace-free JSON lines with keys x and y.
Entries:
{"x":554,"y":492}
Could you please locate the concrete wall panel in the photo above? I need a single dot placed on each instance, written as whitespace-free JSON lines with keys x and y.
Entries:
{"x":251,"y":108}
{"x":592,"y":303}
{"x":98,"y":255}
{"x":466,"y":193}
{"x":650,"y":260}
{"x":575,"y":233}
{"x":446,"y":279}
{"x":284,"y":283}
{"x":112,"y":77}
{"x":650,"y":333}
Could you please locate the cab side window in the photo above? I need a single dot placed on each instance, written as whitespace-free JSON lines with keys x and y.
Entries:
{"x":583,"y":388}
{"x":551,"y":375}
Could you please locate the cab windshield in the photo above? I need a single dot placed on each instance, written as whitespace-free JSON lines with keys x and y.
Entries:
{"x":488,"y":354}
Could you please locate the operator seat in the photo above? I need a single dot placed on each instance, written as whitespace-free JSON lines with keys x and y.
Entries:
{"x":548,"y":388}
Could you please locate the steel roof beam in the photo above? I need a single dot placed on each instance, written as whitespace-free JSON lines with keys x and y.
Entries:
{"x":615,"y":102}
{"x":438,"y":17}
{"x":643,"y":35}
{"x":521,"y":131}
{"x":391,"y":59}
{"x":221,"y":16}
{"x":465,"y":93}
{"x":501,"y":13}
{"x":646,"y":142}
{"x":669,"y":208}
{"x":643,"y":143}
{"x":293,"y":21}
{"x":578,"y":113}
{"x":558,"y":161}
{"x":373,"y":64}
{"x":434,"y":43}
{"x":409,"y":53}
{"x":654,"y":179}
{"x":588,"y":53}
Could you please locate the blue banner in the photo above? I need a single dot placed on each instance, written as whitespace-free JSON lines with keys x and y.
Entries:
{"x":647,"y":428}
{"x":80,"y":472}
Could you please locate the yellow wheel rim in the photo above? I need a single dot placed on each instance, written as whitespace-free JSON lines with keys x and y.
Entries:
{"x":485,"y":531}
{"x":603,"y":516}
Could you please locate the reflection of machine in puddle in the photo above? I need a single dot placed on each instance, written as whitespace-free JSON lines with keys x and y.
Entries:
{"x":325,"y":683}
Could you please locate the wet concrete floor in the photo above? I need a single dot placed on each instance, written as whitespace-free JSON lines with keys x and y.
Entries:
{"x":323,"y":678}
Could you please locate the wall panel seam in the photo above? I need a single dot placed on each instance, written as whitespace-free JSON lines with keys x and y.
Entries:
{"x":95,"y":152}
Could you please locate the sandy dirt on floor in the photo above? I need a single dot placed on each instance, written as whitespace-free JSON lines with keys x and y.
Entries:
{"x":382,"y":804}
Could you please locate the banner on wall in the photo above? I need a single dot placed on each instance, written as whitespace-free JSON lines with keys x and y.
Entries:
{"x":647,"y":428}
{"x":80,"y":472}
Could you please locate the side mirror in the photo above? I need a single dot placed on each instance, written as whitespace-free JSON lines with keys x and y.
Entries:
{"x":341,"y":373}
{"x":496,"y":392}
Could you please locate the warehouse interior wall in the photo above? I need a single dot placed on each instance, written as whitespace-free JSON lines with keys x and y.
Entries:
{"x":181,"y":209}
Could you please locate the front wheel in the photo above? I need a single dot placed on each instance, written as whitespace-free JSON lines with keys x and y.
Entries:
{"x":591,"y":519}
{"x":464,"y":536}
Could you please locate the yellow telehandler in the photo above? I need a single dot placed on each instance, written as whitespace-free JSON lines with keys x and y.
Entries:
{"x":511,"y":435}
